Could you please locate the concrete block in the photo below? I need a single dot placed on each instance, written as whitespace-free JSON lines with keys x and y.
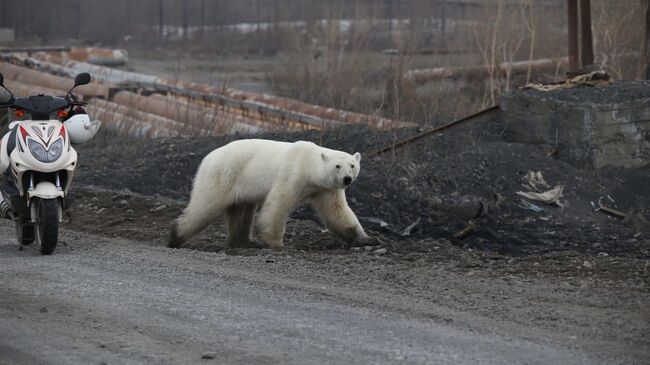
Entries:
{"x":590,"y":127}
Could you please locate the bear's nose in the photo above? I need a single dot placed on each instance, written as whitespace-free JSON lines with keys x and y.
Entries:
{"x":347,"y":180}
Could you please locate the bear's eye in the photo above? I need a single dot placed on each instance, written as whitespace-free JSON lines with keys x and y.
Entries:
{"x":338,"y":166}
{"x":352,"y":166}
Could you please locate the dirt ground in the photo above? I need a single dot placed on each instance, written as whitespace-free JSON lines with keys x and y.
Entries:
{"x":112,"y":300}
{"x":433,"y":190}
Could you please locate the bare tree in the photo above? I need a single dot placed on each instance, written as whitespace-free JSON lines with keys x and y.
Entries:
{"x":647,"y":39}
{"x":161,"y":19}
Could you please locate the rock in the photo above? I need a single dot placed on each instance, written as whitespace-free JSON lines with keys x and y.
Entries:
{"x":460,"y":206}
{"x":100,"y":211}
{"x":158,"y":208}
{"x":587,"y":264}
{"x":603,"y":254}
{"x":380,"y":251}
{"x":43,"y":310}
{"x":356,"y":249}
{"x":208,"y":355}
{"x":367,"y":248}
{"x":638,"y":223}
{"x":123,"y":202}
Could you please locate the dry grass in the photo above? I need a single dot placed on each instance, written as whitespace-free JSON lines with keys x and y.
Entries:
{"x":354,"y":76}
{"x":618,"y":37}
{"x":328,"y":65}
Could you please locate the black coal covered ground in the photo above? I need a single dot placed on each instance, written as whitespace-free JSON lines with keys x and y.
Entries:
{"x":464,"y":164}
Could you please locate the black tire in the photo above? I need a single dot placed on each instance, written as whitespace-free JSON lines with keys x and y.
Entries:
{"x":47,"y":227}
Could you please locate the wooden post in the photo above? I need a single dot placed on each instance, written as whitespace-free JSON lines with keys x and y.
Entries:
{"x":202,"y":18}
{"x":77,"y":14}
{"x":572,"y":7}
{"x":587,"y":46}
{"x":186,"y":19}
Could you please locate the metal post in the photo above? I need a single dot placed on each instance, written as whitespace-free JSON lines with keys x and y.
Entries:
{"x":587,"y":46}
{"x":572,"y":6}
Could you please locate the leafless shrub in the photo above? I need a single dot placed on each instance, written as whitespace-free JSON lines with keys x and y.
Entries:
{"x":618,"y":37}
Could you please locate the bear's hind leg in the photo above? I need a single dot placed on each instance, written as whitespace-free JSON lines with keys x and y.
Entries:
{"x":272,"y":219}
{"x":239,"y":219}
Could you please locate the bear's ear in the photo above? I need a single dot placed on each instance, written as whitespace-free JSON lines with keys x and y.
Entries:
{"x":324,"y":157}
{"x":357,"y":156}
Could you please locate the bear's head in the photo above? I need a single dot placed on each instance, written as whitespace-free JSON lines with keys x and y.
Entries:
{"x":341,"y":169}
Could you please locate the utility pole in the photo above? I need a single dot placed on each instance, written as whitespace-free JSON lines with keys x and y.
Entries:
{"x":587,"y":44}
{"x":77,"y":15}
{"x":161,"y":19}
{"x":202,"y":18}
{"x":572,"y":21}
{"x":186,"y":19}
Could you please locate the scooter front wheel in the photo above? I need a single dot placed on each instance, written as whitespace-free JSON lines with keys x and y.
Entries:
{"x":47,"y":226}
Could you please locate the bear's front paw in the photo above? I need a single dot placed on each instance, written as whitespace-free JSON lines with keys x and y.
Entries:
{"x":274,"y":244}
{"x":372,"y":240}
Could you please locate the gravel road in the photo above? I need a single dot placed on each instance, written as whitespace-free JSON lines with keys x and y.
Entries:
{"x":101,"y":300}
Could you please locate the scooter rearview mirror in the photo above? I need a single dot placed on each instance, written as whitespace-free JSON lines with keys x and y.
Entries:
{"x":82,"y":79}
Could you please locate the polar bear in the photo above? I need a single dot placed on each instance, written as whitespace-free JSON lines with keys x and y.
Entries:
{"x":264,"y":181}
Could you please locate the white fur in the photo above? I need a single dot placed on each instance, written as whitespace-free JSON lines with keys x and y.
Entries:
{"x":275,"y":177}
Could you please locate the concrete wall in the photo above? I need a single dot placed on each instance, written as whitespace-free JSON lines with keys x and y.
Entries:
{"x":607,"y":132}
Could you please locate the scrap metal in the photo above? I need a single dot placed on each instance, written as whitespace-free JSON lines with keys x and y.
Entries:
{"x":488,"y":113}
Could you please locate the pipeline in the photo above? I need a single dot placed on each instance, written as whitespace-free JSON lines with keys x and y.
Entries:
{"x":475,"y":72}
{"x":45,"y":80}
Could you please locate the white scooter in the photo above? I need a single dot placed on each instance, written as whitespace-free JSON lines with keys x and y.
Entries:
{"x":38,"y":162}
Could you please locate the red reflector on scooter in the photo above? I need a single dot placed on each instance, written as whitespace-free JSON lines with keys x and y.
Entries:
{"x":62,"y":133}
{"x":24,"y":133}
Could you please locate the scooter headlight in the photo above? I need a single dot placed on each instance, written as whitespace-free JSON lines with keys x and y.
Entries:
{"x":55,"y":150}
{"x":45,"y":155}
{"x":37,"y":150}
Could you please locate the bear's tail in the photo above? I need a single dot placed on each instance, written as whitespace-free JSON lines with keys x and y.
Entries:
{"x":174,"y":239}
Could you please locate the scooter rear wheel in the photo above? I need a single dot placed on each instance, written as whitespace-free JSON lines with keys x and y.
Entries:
{"x":47,"y":227}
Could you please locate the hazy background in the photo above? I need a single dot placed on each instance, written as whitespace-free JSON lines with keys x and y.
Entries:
{"x":348,"y":54}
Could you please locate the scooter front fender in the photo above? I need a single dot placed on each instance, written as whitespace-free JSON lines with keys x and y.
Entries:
{"x":45,"y":190}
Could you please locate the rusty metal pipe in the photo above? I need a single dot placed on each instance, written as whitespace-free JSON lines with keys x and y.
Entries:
{"x":34,"y":77}
{"x":482,"y":71}
{"x":210,"y":121}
